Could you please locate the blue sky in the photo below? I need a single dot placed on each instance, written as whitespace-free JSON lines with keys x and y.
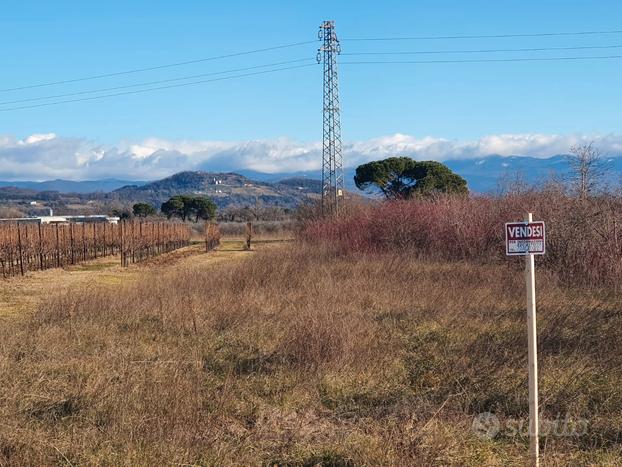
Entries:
{"x":47,"y":41}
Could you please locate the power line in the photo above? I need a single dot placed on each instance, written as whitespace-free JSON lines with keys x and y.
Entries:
{"x":483,"y":60}
{"x":158,"y":67}
{"x":176,"y":64}
{"x":151,"y":83}
{"x":139,"y":91}
{"x":485,"y":36}
{"x":296,"y":44}
{"x":383,"y":62}
{"x":477,"y":51}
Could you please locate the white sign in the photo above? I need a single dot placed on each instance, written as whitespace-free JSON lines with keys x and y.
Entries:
{"x":524,"y":238}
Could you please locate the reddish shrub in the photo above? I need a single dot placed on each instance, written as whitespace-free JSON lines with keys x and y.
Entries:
{"x":583,"y":244}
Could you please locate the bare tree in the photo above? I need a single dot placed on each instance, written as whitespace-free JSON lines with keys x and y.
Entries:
{"x":512,"y":183}
{"x":587,"y":169}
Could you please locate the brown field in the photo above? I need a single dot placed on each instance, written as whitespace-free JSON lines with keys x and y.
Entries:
{"x":20,"y":295}
{"x":300,"y":356}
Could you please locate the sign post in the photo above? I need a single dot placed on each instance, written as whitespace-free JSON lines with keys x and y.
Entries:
{"x":528,"y":239}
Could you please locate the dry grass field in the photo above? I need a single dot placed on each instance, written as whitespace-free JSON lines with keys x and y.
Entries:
{"x":23,"y":295}
{"x":303,"y":356}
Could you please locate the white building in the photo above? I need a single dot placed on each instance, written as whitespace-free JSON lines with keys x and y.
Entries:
{"x":52,"y":219}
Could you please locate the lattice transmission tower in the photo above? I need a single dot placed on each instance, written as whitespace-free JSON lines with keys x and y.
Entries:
{"x":332,"y":157}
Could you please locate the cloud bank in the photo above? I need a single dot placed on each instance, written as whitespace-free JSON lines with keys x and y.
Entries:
{"x":48,"y":156}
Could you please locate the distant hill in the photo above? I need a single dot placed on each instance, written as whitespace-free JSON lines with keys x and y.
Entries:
{"x":11,"y":193}
{"x":224,"y":188}
{"x":286,"y":188}
{"x":69,"y":186}
{"x":302,"y":183}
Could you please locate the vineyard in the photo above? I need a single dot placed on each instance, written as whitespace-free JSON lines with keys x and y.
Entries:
{"x":212,"y":236}
{"x":29,"y":247}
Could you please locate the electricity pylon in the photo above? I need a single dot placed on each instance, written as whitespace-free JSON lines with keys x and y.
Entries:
{"x":332,"y":158}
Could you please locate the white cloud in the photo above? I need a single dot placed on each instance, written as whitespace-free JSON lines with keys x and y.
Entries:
{"x":46,"y":156}
{"x":37,"y":138}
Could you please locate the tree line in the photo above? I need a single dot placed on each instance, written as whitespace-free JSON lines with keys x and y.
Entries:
{"x":185,"y":207}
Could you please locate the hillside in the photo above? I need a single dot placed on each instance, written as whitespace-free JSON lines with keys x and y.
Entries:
{"x":483,"y":174}
{"x":12,"y":193}
{"x":224,"y":188}
{"x":285,"y":189}
{"x":70,"y":186}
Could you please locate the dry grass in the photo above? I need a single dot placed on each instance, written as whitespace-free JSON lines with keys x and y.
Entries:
{"x":19,"y":295}
{"x":303,"y":358}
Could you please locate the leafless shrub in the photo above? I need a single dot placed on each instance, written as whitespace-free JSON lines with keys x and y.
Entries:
{"x":587,"y":169}
{"x":583,"y":235}
{"x":261,"y":229}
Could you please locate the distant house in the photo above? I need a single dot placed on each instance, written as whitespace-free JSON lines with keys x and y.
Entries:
{"x":97,"y":218}
{"x":52,"y":219}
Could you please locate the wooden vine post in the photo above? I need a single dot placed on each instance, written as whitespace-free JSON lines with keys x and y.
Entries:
{"x":19,"y":243}
{"x":249,"y":234}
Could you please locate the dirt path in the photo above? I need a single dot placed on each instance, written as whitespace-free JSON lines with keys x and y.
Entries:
{"x":23,"y":294}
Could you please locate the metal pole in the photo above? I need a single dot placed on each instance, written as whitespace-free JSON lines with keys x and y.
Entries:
{"x":530,"y":277}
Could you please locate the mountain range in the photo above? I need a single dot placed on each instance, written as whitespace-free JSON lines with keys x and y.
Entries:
{"x":483,"y":174}
{"x":287,"y":188}
{"x":70,"y":186}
